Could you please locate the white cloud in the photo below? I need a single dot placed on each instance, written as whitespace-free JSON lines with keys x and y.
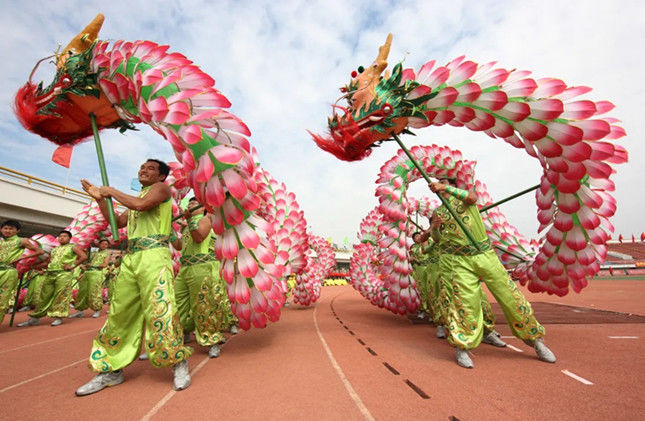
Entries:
{"x":281,"y":63}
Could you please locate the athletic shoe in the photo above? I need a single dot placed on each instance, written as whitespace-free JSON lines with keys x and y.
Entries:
{"x":463,"y":359}
{"x":542,"y":351}
{"x":143,"y":356}
{"x":30,"y":322}
{"x":78,"y":315}
{"x":441,"y":332}
{"x":100,"y":382}
{"x":491,"y":339}
{"x":96,"y":314}
{"x":57,"y":321}
{"x":233,"y":330}
{"x":24,"y":308}
{"x":214,"y":351}
{"x":182,"y":375}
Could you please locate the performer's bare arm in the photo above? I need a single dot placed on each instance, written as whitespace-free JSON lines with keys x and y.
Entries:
{"x":29,"y":244}
{"x":95,"y":192}
{"x":203,"y":228}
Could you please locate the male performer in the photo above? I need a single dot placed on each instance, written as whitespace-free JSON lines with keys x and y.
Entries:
{"x":36,"y":277}
{"x":11,"y":248}
{"x":56,"y":291}
{"x":461,"y":265}
{"x":90,"y":287}
{"x":201,"y":299}
{"x":440,"y":294}
{"x":143,"y":294}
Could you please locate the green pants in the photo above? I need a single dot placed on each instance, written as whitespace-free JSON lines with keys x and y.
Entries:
{"x":89,"y":291}
{"x":442,"y":299}
{"x":420,"y":275}
{"x":34,"y":291}
{"x":55,"y":295}
{"x":8,"y":285}
{"x":203,"y":303}
{"x":465,"y":318}
{"x":143,"y":296}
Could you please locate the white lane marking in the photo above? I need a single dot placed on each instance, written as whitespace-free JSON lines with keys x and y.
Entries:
{"x":513,"y":348}
{"x":576,"y":377}
{"x":507,"y":337}
{"x":41,"y":376}
{"x":170,"y":394}
{"x":348,"y":386}
{"x":623,"y":337}
{"x":50,"y":340}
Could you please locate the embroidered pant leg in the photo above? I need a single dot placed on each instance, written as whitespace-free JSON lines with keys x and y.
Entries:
{"x":464,"y":314}
{"x":182,"y":295}
{"x":518,"y":311}
{"x":8,"y":285}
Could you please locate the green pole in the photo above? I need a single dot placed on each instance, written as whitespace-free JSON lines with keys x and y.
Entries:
{"x":104,"y":178}
{"x":502,"y":249}
{"x":530,"y":189}
{"x":443,"y":201}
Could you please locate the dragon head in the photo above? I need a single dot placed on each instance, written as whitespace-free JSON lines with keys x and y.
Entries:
{"x":60,"y":111}
{"x":377,"y":108}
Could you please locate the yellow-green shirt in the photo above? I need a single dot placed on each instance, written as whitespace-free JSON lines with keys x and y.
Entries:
{"x":155,"y":221}
{"x":449,"y":233}
{"x":188,"y":246}
{"x":10,"y":249}
{"x":61,"y":256}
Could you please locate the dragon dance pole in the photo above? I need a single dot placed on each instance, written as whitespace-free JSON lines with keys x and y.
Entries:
{"x":530,"y":189}
{"x":190,"y":210}
{"x":443,"y":201}
{"x":104,"y":178}
{"x":15,"y":303}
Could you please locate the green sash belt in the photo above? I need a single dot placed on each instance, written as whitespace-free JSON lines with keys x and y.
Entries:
{"x":466,"y":249}
{"x":196,"y":259}
{"x":146,"y":243}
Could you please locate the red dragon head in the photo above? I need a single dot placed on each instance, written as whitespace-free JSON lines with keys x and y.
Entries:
{"x":60,"y":111}
{"x":376,"y":110}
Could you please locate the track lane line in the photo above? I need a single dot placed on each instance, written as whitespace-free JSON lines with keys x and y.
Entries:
{"x":576,"y":377}
{"x":41,"y":376}
{"x":348,"y":386}
{"x":623,"y":337}
{"x":172,"y":393}
{"x":49,"y":340}
{"x":513,"y":348}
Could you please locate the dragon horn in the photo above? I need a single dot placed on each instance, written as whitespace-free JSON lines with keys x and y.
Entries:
{"x":83,"y":40}
{"x":384,"y":51}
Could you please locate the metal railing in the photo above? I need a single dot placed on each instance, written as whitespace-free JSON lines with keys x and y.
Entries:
{"x":33,"y":181}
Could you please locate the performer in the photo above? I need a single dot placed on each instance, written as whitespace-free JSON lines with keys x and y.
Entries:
{"x":91,"y":284}
{"x":201,"y":298}
{"x":420,"y":274}
{"x":440,"y":295}
{"x":36,"y":277}
{"x":143,"y":294}
{"x":461,"y":266}
{"x":11,"y":248}
{"x":56,"y":291}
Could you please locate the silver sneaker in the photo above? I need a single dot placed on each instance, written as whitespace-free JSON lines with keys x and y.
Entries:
{"x":182,"y":376}
{"x":30,"y":322}
{"x":24,"y":308}
{"x":143,"y":356}
{"x":441,"y":332}
{"x":78,"y":315}
{"x":463,"y":359}
{"x":234,"y":330}
{"x":214,"y":351}
{"x":542,"y":351}
{"x":491,"y":338}
{"x":57,"y":321}
{"x":100,"y":382}
{"x":96,"y":314}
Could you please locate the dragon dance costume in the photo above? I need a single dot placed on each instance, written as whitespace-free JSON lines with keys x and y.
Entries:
{"x":34,"y":289}
{"x":143,"y":296}
{"x":201,"y":295}
{"x":91,"y":284}
{"x":10,"y":251}
{"x":461,"y":266}
{"x":56,"y":290}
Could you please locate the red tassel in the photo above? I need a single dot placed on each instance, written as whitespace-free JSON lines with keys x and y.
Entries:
{"x":63,"y":155}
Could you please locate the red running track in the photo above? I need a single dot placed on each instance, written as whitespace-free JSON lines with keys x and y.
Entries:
{"x":346,"y":359}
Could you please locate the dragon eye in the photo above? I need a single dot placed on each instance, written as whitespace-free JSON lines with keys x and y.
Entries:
{"x":361,"y":69}
{"x":354,"y":74}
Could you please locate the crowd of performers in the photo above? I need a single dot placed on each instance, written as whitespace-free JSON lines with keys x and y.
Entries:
{"x":148,"y":305}
{"x":449,"y":270}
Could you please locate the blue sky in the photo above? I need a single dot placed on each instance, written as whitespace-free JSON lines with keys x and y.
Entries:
{"x":281,"y":64}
